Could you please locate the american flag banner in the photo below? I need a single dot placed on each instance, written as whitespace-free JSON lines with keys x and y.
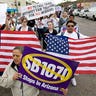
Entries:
{"x":10,"y":39}
{"x":80,"y":50}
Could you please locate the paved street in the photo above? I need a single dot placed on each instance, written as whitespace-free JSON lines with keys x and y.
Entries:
{"x":87,"y":27}
{"x":86,"y":84}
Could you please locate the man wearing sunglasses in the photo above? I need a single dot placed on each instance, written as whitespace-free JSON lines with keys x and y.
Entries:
{"x":71,"y":33}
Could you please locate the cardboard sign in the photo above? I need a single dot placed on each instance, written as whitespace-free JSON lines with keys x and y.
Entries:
{"x":38,"y":10}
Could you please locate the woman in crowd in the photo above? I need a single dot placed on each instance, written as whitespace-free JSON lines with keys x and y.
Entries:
{"x":51,"y":31}
{"x":24,"y":26}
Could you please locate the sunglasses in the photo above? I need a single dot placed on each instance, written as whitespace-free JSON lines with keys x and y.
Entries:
{"x":70,"y":25}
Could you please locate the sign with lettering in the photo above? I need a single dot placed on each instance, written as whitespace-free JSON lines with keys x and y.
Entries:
{"x":45,"y":71}
{"x":38,"y":10}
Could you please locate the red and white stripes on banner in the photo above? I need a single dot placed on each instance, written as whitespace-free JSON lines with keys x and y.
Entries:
{"x":10,"y":39}
{"x":83,"y":51}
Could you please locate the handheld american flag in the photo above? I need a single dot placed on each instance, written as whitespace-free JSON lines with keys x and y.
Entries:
{"x":80,"y":50}
{"x":10,"y":39}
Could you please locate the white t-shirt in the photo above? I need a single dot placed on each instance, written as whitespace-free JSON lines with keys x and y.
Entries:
{"x":73,"y":35}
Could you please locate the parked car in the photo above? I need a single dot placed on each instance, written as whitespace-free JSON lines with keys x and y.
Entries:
{"x":76,"y":12}
{"x":91,"y":13}
{"x":82,"y":13}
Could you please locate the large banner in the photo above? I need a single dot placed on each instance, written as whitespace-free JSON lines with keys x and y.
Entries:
{"x":3,"y":10}
{"x":79,"y":50}
{"x":38,"y":10}
{"x":45,"y":71}
{"x":10,"y":39}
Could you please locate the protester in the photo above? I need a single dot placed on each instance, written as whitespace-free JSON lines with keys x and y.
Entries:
{"x":63,"y":19}
{"x":55,"y":21}
{"x":70,"y":31}
{"x":76,"y":27}
{"x":10,"y":77}
{"x":50,"y":30}
{"x":45,"y":20}
{"x":72,"y":34}
{"x":24,"y":26}
{"x":39,"y":27}
{"x":19,"y":23}
{"x":9,"y":24}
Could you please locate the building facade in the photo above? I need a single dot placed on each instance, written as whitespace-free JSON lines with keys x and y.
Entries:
{"x":14,"y":3}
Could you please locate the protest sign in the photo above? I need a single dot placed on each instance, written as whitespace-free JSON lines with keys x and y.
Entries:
{"x":38,"y":10}
{"x":45,"y":71}
{"x":3,"y":10}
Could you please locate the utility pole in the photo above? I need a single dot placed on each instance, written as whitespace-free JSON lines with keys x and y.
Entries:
{"x":16,"y":4}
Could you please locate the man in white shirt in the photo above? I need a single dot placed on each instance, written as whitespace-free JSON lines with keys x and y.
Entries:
{"x":71,"y":33}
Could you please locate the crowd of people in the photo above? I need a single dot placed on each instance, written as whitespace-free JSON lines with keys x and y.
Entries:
{"x":64,"y":25}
